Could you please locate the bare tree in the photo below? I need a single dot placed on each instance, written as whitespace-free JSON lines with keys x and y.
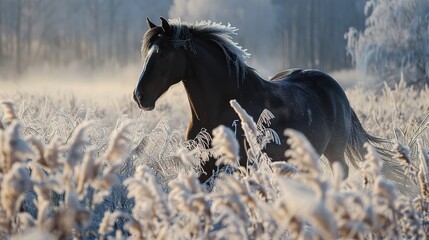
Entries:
{"x":114,"y":6}
{"x":395,"y":40}
{"x":92,"y":33}
{"x":18,"y":46}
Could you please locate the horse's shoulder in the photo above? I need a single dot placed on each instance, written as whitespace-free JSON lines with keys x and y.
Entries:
{"x":286,"y":73}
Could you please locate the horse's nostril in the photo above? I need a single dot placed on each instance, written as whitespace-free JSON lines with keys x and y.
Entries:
{"x":138,"y":97}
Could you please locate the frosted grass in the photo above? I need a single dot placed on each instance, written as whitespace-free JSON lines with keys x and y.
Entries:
{"x":69,"y":170}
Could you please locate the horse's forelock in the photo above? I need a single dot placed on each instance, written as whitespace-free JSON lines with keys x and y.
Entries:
{"x":148,"y":39}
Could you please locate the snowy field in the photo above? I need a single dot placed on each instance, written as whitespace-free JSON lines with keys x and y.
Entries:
{"x":81,"y":160}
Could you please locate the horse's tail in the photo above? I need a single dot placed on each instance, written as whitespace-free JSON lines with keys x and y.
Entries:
{"x":355,"y":149}
{"x":391,"y":169}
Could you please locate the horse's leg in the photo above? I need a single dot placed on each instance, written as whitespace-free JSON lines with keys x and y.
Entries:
{"x":208,"y":167}
{"x":337,"y":155}
{"x":335,"y":151}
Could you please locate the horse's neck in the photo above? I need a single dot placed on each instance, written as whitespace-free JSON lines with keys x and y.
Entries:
{"x":208,"y":94}
{"x":210,"y":86}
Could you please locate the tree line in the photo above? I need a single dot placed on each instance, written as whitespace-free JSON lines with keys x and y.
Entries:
{"x":311,"y":32}
{"x":93,"y":33}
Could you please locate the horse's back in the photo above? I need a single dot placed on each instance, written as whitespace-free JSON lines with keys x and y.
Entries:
{"x":324,"y":98}
{"x":312,"y":81}
{"x":305,"y":76}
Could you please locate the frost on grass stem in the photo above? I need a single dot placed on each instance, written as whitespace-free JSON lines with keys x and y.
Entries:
{"x":225,"y":147}
{"x":409,"y":220}
{"x":151,"y":206}
{"x":48,"y":156}
{"x":234,"y":202}
{"x":190,"y":199}
{"x":251,"y":133}
{"x":385,"y":189}
{"x":423,"y":175}
{"x":13,"y":187}
{"x":87,"y":172}
{"x":297,"y":204}
{"x":106,"y":225}
{"x":283,"y":168}
{"x":244,"y":117}
{"x":118,"y":144}
{"x":301,"y":153}
{"x":195,"y":152}
{"x":402,"y":154}
{"x":371,"y":168}
{"x":189,"y":195}
{"x":14,"y":148}
{"x":76,"y":142}
{"x":9,"y":112}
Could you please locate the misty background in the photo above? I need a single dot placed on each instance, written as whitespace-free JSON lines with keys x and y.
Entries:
{"x":62,"y":39}
{"x":90,"y":35}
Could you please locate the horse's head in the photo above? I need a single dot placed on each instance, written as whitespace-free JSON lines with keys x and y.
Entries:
{"x":164,"y":64}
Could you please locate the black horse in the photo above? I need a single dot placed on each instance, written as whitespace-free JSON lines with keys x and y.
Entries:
{"x":213,"y":70}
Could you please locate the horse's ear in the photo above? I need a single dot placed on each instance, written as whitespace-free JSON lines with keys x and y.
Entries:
{"x":165,"y":25}
{"x":150,"y":24}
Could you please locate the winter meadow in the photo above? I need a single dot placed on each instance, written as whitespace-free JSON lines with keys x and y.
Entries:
{"x":80,"y":160}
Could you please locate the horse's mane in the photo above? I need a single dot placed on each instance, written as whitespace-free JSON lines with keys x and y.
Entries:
{"x":183,"y":34}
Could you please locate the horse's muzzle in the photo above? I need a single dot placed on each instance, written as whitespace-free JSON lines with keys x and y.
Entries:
{"x":140,"y":100}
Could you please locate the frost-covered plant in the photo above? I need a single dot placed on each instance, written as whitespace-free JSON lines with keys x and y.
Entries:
{"x":395,"y":40}
{"x":151,"y":208}
{"x":62,"y":188}
{"x":106,"y":225}
{"x":159,"y":149}
{"x":371,"y":168}
{"x":225,"y":147}
{"x":257,"y":135}
{"x":66,"y":169}
{"x":302,"y":154}
{"x":190,"y":200}
{"x":13,"y":186}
